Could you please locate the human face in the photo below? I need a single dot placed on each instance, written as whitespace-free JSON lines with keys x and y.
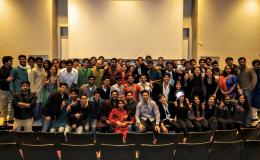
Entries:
{"x":143,"y":79}
{"x":63,"y":89}
{"x":140,"y":61}
{"x":228,"y":69}
{"x":130,"y":79}
{"x":75,"y":64}
{"x":39,"y":63}
{"x":197,"y":71}
{"x":84,"y":100}
{"x":229,"y":62}
{"x":202,"y":64}
{"x":99,"y":64}
{"x":169,"y":67}
{"x":31,"y":63}
{"x":187,"y":76}
{"x":121,"y":104}
{"x":160,"y":61}
{"x":106,"y":82}
{"x":56,"y":63}
{"x":227,"y":99}
{"x":129,"y":96}
{"x":53,"y":70}
{"x":145,"y":96}
{"x":211,"y":100}
{"x":242,"y":99}
{"x":9,"y":63}
{"x":25,"y":87}
{"x":242,"y":63}
{"x":73,"y":95}
{"x":96,"y":97}
{"x":114,"y":95}
{"x":209,"y":73}
{"x":22,"y":61}
{"x":163,"y":100}
{"x":93,"y":61}
{"x":91,"y":81}
{"x":166,"y":79}
{"x":196,"y":100}
{"x":178,"y":85}
{"x":69,"y":67}
{"x":85,"y":64}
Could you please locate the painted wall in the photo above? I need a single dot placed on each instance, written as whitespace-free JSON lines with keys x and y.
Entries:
{"x":128,"y":29}
{"x":228,"y":28}
{"x":27,"y":27}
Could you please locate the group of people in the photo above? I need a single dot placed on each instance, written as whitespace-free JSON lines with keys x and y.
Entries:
{"x":121,"y":96}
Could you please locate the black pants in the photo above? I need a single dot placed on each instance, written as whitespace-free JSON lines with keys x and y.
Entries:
{"x":213,"y":123}
{"x":200,"y":125}
{"x":225,"y":123}
{"x":186,"y":126}
{"x":148,"y":125}
{"x":171,"y":125}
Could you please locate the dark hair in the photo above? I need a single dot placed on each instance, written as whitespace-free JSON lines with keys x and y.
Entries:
{"x":22,"y":56}
{"x":117,"y":102}
{"x":241,"y":58}
{"x":63,"y":84}
{"x":5,"y":59}
{"x":255,"y":62}
{"x":74,"y":90}
{"x":113,"y":59}
{"x":246,"y":103}
{"x":114,"y":91}
{"x":31,"y":58}
{"x":96,"y":92}
{"x":228,"y":59}
{"x":38,"y":59}
{"x":160,"y":96}
{"x":129,"y":92}
{"x":100,"y":57}
{"x":214,"y":62}
{"x":84,"y":95}
{"x":85,"y":59}
{"x":143,"y":75}
{"x":91,"y":77}
{"x":75,"y":60}
{"x":224,"y":72}
{"x":201,"y":60}
{"x":208,"y":58}
{"x":145,"y":91}
{"x":25,"y":82}
{"x":62,"y":62}
{"x":149,"y":62}
{"x":69,"y":62}
{"x":167,"y":74}
{"x":148,"y":57}
{"x":129,"y":75}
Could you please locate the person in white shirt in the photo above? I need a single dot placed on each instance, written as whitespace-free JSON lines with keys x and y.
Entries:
{"x":69,"y":74}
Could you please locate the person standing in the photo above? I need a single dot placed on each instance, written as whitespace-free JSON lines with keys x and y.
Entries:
{"x":23,"y":104}
{"x":5,"y":93}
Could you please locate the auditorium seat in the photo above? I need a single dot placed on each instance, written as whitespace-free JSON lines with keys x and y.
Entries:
{"x":248,"y":133}
{"x":9,"y":151}
{"x":78,"y":152}
{"x":39,"y":152}
{"x":140,"y":138}
{"x":175,"y":138}
{"x":225,"y":135}
{"x":6,"y":137}
{"x":199,"y":137}
{"x":156,"y":152}
{"x":51,"y":138}
{"x":226,"y":150}
{"x":25,"y":137}
{"x":108,"y":138}
{"x":117,"y":152}
{"x":78,"y":139}
{"x":251,"y":150}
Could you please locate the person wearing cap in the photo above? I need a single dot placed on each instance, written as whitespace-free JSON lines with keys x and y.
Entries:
{"x":23,"y":104}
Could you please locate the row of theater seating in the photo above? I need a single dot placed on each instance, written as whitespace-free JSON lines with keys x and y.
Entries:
{"x":236,"y":150}
{"x":131,"y":138}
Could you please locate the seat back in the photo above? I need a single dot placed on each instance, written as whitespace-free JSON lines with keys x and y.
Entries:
{"x":39,"y":152}
{"x":192,"y":151}
{"x":6,"y":137}
{"x":77,"y":139}
{"x":25,"y":137}
{"x":225,"y":135}
{"x":140,"y":138}
{"x":51,"y":138}
{"x":248,"y":133}
{"x":117,"y":152}
{"x":199,"y":137}
{"x":162,"y":138}
{"x":226,"y":150}
{"x":155,"y":152}
{"x":108,"y":138}
{"x":78,"y":152}
{"x":251,"y":150}
{"x":9,"y":151}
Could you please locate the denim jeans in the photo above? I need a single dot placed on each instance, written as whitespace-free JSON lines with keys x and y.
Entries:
{"x":37,"y":112}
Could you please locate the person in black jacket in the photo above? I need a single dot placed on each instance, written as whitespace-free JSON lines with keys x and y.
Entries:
{"x":23,"y":104}
{"x":210,"y":112}
{"x":167,"y":115}
{"x":54,"y":106}
{"x":78,"y":113}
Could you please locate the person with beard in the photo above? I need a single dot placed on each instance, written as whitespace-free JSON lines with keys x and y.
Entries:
{"x":112,"y":71}
{"x":18,"y":75}
{"x":225,"y":113}
{"x":23,"y":104}
{"x":130,"y":107}
{"x":106,"y":109}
